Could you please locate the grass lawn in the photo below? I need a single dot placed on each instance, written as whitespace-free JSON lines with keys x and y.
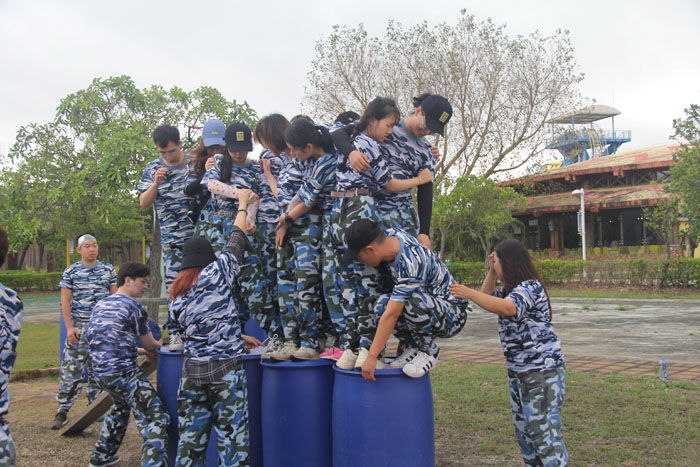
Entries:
{"x":38,"y":346}
{"x":608,"y":420}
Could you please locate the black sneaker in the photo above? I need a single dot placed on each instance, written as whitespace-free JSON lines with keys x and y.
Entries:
{"x":60,"y":420}
{"x":111,"y":461}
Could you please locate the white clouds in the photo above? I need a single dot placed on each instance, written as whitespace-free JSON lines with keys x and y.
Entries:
{"x":645,"y":52}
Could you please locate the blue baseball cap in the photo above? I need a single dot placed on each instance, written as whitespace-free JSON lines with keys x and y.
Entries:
{"x":213,"y":133}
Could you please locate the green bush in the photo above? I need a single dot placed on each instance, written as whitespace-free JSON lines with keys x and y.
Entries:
{"x":22,"y":281}
{"x":644,"y":272}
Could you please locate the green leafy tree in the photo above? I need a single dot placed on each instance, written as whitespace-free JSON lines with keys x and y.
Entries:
{"x":685,"y":174}
{"x":661,"y":219}
{"x":503,"y":89}
{"x":477,"y":207}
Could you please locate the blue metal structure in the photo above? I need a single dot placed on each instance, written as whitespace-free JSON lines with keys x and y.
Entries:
{"x":577,"y":142}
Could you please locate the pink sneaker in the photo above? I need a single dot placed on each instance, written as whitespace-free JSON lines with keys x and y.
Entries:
{"x":333,"y":353}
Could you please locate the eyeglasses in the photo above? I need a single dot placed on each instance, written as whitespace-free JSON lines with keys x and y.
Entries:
{"x":168,"y":153}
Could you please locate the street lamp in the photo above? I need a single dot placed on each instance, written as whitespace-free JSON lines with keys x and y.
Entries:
{"x":582,"y":229}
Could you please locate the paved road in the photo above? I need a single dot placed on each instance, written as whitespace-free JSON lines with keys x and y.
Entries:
{"x":606,"y":328}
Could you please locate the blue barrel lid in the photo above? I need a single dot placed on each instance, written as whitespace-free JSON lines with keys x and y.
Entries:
{"x":292,"y":365}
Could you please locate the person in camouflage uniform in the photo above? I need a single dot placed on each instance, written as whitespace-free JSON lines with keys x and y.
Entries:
{"x":418,"y":307}
{"x":82,"y":285}
{"x":11,"y":310}
{"x":311,"y":145}
{"x":535,"y":361}
{"x":118,"y":327}
{"x":232,"y":172}
{"x":354,"y":199}
{"x":213,"y":388}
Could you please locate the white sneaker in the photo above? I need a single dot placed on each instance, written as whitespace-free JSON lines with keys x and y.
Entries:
{"x":347,"y":360}
{"x":305,"y":353}
{"x":362,"y":355}
{"x":421,"y":364}
{"x":272,"y":345}
{"x":405,"y":357}
{"x":176,"y":343}
{"x":284,"y":353}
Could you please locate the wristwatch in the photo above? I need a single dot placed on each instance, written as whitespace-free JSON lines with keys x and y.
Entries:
{"x":287,"y":218}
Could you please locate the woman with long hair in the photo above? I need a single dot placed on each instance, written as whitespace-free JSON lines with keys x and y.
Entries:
{"x":535,"y":362}
{"x":213,"y":388}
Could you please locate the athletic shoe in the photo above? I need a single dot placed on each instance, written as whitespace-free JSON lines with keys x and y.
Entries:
{"x":176,"y":343}
{"x":421,"y":364}
{"x":111,"y":461}
{"x":331,"y":352}
{"x":362,"y":355}
{"x":59,"y":420}
{"x":401,"y":360}
{"x":347,"y":360}
{"x":272,"y":345}
{"x":284,"y":353}
{"x":305,"y":353}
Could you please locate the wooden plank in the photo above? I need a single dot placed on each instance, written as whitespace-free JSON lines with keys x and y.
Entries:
{"x":99,"y":406}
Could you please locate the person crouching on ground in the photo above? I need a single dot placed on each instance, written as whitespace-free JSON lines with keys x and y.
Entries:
{"x":213,"y":387}
{"x":117,"y":329}
{"x":419,"y":307}
{"x":533,"y":352}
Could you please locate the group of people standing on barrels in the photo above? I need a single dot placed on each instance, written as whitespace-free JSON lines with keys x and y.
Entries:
{"x":321,"y":243}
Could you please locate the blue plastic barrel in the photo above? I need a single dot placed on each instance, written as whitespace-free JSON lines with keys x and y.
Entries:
{"x":387,"y":422}
{"x":169,"y":372}
{"x":296,"y":413}
{"x":252,"y":329}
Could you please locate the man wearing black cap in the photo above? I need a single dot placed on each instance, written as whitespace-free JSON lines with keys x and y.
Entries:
{"x":419,"y":308}
{"x":407,"y":152}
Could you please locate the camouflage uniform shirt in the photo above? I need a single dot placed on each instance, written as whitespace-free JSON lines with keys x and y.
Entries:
{"x":269,"y":208}
{"x":88,"y":284}
{"x":171,"y":202}
{"x":375,"y":178}
{"x":528,"y":339}
{"x":290,"y":179}
{"x":208,"y":312}
{"x":406,"y":156}
{"x":113,"y":334}
{"x":416,"y":268}
{"x":242,"y":176}
{"x":319,"y":181}
{"x":10,"y":321}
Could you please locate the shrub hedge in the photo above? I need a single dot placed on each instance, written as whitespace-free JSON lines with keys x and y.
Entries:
{"x":22,"y":281}
{"x":676,"y":272}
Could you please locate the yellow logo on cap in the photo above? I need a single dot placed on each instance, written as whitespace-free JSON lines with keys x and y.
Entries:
{"x":443,"y":118}
{"x":214,"y":132}
{"x":239,"y":136}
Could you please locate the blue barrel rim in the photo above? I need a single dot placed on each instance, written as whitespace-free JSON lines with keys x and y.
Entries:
{"x":247,"y":357}
{"x":387,"y":372}
{"x":165,"y":350}
{"x":296,"y":365}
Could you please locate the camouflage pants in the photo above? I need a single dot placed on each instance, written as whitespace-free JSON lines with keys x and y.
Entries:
{"x":536,"y":399}
{"x":303,"y":308}
{"x":172,"y":259}
{"x":357,"y":282}
{"x":75,"y":358}
{"x":224,"y":404}
{"x":132,"y":392}
{"x":265,"y":234}
{"x":7,"y":446}
{"x":403,"y":217}
{"x":331,"y":295}
{"x":425,"y":317}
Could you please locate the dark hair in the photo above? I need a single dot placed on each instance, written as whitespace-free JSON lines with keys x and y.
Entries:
{"x":300,"y":117}
{"x":4,"y":246}
{"x":226,"y":167}
{"x":198,"y":159}
{"x":347,"y":117}
{"x":165,"y":134}
{"x":301,"y":133}
{"x":377,"y":109}
{"x":133,"y":270}
{"x":517,"y":267}
{"x":270,"y":129}
{"x":418,"y":101}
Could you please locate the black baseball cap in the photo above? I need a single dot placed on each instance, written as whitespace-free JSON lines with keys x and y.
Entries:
{"x":239,"y":137}
{"x":197,"y":253}
{"x":438,"y":112}
{"x":360,"y":234}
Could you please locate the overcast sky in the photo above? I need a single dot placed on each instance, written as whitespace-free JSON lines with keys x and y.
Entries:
{"x":641,"y":57}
